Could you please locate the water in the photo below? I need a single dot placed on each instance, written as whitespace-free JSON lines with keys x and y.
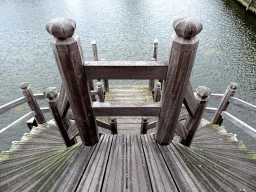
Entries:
{"x":125,"y":30}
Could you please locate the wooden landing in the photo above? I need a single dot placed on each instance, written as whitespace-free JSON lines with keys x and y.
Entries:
{"x":129,"y":95}
{"x":41,"y":162}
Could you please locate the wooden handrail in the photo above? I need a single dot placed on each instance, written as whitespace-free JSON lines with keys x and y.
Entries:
{"x":13,"y":104}
{"x":242,"y":104}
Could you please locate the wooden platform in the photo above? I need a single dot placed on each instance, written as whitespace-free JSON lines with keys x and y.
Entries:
{"x":214,"y":162}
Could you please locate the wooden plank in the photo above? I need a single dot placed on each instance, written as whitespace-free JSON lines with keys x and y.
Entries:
{"x":247,"y":128}
{"x":63,"y":104}
{"x":115,"y":177}
{"x":107,"y":109}
{"x":103,"y":124}
{"x":125,"y":69}
{"x":161,"y":179}
{"x":190,"y":101}
{"x":181,"y":130}
{"x":138,"y":177}
{"x":13,"y":104}
{"x":16,"y":123}
{"x":243,"y":104}
{"x":93,"y":176}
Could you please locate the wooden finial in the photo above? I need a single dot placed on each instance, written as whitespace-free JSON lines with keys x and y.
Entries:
{"x":24,"y":85}
{"x":51,"y":92}
{"x":187,"y":27}
{"x":203,"y":91}
{"x":61,"y":27}
{"x":158,"y":84}
{"x":233,"y":85}
{"x":99,"y":84}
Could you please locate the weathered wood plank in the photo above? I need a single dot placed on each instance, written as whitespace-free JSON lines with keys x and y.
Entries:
{"x":138,"y":177}
{"x":161,"y":179}
{"x":16,"y":123}
{"x":93,"y":176}
{"x":106,"y":109}
{"x":115,"y":178}
{"x":190,"y":101}
{"x":247,"y":128}
{"x":125,"y":69}
{"x":243,"y":104}
{"x":13,"y":104}
{"x":69,"y":58}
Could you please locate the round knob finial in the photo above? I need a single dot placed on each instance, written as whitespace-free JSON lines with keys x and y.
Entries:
{"x":187,"y":27}
{"x":61,"y":27}
{"x":233,"y":85}
{"x":51,"y":92}
{"x":203,"y":91}
{"x":24,"y":85}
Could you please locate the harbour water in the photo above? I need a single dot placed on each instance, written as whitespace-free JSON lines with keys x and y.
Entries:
{"x":125,"y":30}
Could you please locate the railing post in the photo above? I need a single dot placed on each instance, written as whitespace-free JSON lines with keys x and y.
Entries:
{"x":52,"y":97}
{"x":154,"y":58}
{"x":100,"y":91}
{"x":69,"y":57}
{"x":27,"y":92}
{"x":157,"y":92}
{"x":144,"y":123}
{"x":181,"y":54}
{"x":113,"y":124}
{"x":230,"y":91}
{"x":192,"y":123}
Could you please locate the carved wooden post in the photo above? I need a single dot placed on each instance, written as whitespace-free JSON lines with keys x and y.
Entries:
{"x":154,"y":58}
{"x":52,"y":97}
{"x":113,"y":125}
{"x":100,"y":91}
{"x":27,"y":92}
{"x":69,"y":57}
{"x":181,"y":54}
{"x":192,"y":123}
{"x":144,"y":123}
{"x":230,"y":91}
{"x":157,"y":93}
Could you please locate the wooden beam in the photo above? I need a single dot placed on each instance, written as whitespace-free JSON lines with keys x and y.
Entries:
{"x":245,"y":127}
{"x":69,"y":57}
{"x":103,"y":124}
{"x":125,"y":69}
{"x":16,"y":123}
{"x":190,"y":101}
{"x":106,"y":109}
{"x":243,"y":104}
{"x":13,"y":104}
{"x":180,"y":59}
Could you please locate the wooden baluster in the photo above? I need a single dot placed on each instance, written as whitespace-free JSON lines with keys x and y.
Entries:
{"x":230,"y":91}
{"x":157,"y":92}
{"x":27,"y":92}
{"x":100,"y":92}
{"x":144,"y":123}
{"x":113,"y":124}
{"x":52,"y":97}
{"x":192,"y":123}
{"x":181,"y":54}
{"x":154,"y":58}
{"x":69,"y":57}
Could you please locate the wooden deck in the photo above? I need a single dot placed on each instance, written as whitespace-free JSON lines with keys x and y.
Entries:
{"x":42,"y":162}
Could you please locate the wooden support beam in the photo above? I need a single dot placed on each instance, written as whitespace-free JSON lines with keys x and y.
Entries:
{"x":63,"y":123}
{"x":143,"y":127}
{"x":192,"y":123}
{"x":230,"y":91}
{"x":113,"y":124}
{"x":27,"y":92}
{"x":157,"y":92}
{"x":107,"y":109}
{"x":154,"y":58}
{"x":181,"y":54}
{"x":190,"y":101}
{"x":100,"y":92}
{"x":69,"y":57}
{"x":32,"y":123}
{"x":125,"y":69}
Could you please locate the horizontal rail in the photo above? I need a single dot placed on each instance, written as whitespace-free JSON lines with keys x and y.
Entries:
{"x":17,"y":123}
{"x":216,"y":96}
{"x":125,"y":69}
{"x":103,"y":124}
{"x":242,"y":104}
{"x":13,"y":104}
{"x":45,"y":109}
{"x":106,"y":109}
{"x":247,"y":128}
{"x":151,"y":125}
{"x":39,"y":96}
{"x":210,"y":110}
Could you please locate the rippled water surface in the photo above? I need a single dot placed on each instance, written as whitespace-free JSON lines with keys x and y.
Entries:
{"x":125,"y":30}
